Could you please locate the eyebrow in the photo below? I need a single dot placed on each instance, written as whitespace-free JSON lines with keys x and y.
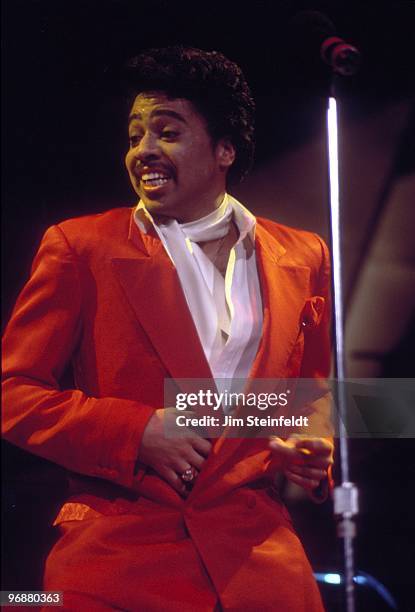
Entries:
{"x":158,"y":113}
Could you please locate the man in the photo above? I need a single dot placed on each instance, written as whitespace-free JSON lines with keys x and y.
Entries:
{"x":187,"y":285}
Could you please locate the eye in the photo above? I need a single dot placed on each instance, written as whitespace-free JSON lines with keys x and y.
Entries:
{"x":134,"y":139}
{"x":169,"y":134}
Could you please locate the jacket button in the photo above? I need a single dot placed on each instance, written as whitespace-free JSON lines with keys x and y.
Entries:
{"x":251,"y":501}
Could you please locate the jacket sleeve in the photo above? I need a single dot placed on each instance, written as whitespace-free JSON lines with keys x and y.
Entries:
{"x":313,"y":397}
{"x":93,"y":436}
{"x":317,"y":360}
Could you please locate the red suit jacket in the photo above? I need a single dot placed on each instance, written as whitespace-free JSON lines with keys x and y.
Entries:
{"x":107,"y":297}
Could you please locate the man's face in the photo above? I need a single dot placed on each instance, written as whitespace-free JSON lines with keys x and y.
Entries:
{"x":173,"y":165}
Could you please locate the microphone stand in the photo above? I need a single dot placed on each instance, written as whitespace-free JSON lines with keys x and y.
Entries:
{"x":346,"y":494}
{"x":344,"y":60}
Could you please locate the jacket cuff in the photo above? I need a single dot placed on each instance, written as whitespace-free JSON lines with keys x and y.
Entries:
{"x":119,"y":459}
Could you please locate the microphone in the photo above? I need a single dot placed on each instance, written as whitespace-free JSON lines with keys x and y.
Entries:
{"x":315,"y":29}
{"x":340,"y":55}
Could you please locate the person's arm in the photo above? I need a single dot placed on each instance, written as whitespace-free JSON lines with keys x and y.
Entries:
{"x":306,"y":458}
{"x":106,"y":437}
{"x":94,"y":436}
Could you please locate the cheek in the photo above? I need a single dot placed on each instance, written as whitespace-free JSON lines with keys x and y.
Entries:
{"x":196,"y":161}
{"x":129,"y":161}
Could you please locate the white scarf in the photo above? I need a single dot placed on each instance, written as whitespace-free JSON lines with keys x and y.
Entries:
{"x":209,"y":297}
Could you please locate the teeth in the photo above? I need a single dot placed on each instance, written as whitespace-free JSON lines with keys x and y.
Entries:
{"x":154,"y":179}
{"x":156,"y":182}
{"x":153,"y":175}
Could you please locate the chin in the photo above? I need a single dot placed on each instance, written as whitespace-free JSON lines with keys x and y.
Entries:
{"x":154,"y":204}
{"x":158,"y":208}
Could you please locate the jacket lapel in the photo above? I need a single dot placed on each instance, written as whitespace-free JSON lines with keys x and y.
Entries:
{"x":284,"y":286}
{"x":152,"y":287}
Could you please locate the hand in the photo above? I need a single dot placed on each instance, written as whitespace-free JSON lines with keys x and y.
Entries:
{"x":304,"y":460}
{"x":171,"y":456}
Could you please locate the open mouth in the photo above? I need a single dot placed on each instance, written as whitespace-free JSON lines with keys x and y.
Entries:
{"x":154,"y":179}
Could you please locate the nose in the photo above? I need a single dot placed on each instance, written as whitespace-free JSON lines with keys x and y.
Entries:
{"x":147,"y":148}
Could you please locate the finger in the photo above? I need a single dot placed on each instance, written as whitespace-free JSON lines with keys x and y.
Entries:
{"x":173,"y":479}
{"x":201,"y":445}
{"x":317,"y":461}
{"x":308,"y":472}
{"x":286,"y":451}
{"x":195,"y":459}
{"x":317,"y":446}
{"x":180,"y":464}
{"x":306,"y":483}
{"x":282,"y":446}
{"x":320,"y":462}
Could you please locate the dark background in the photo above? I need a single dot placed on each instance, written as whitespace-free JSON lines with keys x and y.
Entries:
{"x":64,"y":139}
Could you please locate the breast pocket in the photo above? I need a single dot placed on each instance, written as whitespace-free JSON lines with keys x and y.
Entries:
{"x":312,"y":313}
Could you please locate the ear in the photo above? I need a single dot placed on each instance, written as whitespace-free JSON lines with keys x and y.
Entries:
{"x":226,"y":153}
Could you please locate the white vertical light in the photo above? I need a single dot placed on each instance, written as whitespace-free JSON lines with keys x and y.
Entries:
{"x":333,"y":147}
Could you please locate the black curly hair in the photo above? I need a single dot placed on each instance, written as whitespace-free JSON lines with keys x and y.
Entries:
{"x":215,"y":86}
